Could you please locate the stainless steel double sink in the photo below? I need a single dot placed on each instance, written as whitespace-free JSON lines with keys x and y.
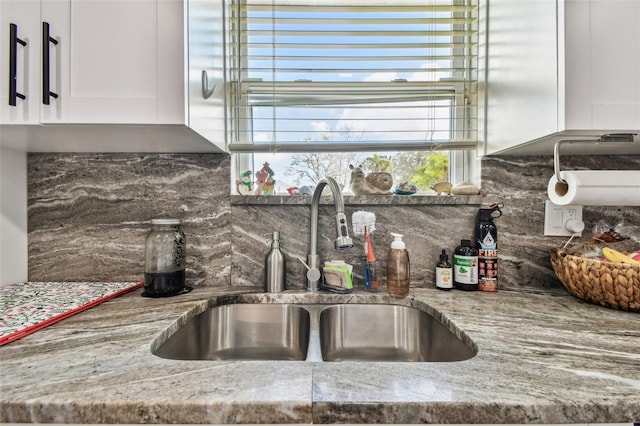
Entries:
{"x":315,"y":332}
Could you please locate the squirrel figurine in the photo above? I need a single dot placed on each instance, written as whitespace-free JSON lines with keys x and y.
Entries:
{"x":373,"y":183}
{"x":442,"y":188}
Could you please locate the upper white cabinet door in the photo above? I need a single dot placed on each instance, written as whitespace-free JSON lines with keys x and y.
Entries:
{"x":23,"y":18}
{"x":564,"y":68}
{"x":602,"y":63}
{"x":116,"y":61}
{"x":206,"y":70}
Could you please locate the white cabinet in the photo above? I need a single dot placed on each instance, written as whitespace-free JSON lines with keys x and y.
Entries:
{"x":128,"y":68}
{"x":111,"y":61}
{"x":561,"y":69}
{"x":22,"y":53}
{"x":602,"y":64}
{"x":206,"y":113}
{"x":119,"y":61}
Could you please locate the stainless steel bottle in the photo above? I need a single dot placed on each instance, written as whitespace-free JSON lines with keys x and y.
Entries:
{"x":275,"y":269}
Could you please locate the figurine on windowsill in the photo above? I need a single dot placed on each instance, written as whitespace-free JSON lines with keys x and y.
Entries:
{"x":373,"y":183}
{"x":265,"y":182}
{"x":464,"y":188}
{"x":442,"y":188}
{"x":405,"y":188}
{"x":303,"y":190}
{"x":244,"y":185}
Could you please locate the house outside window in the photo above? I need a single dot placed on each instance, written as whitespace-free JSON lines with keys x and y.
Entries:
{"x":389,"y":85}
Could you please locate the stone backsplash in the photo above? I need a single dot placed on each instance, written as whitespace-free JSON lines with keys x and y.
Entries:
{"x":89,"y":213}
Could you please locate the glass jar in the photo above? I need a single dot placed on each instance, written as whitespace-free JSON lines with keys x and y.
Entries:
{"x":165,"y":259}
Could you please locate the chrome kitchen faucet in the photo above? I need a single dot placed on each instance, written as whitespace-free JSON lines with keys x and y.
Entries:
{"x":342,"y":240}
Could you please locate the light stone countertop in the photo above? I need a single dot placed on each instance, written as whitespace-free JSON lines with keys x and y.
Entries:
{"x":542,"y":358}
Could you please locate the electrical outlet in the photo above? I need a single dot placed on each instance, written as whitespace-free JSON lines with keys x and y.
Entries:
{"x":556,"y":218}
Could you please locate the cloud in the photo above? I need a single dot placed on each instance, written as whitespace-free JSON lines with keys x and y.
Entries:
{"x":262,"y":137}
{"x":381,"y":76}
{"x":320,"y":126}
{"x":401,"y":120}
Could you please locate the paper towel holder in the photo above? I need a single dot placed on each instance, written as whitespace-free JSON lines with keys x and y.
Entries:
{"x":608,"y":138}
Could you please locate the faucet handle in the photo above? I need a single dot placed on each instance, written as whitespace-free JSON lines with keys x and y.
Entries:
{"x":313,"y":274}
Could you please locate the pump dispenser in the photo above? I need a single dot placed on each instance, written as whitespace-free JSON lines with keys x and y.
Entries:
{"x":274,"y":264}
{"x":398,"y":272}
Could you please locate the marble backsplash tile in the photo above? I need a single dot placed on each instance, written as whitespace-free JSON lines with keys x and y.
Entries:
{"x":427,"y":229}
{"x":521,"y":184}
{"x":88,"y":214}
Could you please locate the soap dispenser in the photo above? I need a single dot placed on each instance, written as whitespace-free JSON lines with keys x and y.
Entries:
{"x":398,"y":272}
{"x":274,"y":265}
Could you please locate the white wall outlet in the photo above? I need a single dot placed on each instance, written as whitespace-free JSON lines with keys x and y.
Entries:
{"x":562,"y":220}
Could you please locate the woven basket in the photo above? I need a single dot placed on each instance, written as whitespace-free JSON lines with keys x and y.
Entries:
{"x":614,"y":285}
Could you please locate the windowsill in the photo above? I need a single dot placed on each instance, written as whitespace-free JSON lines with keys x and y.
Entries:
{"x":360,"y":200}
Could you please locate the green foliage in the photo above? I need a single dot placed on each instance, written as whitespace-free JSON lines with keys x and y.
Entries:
{"x":434,"y":169}
{"x":377,"y":163}
{"x":406,"y":163}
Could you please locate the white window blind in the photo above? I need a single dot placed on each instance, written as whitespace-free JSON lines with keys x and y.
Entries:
{"x":356,"y":75}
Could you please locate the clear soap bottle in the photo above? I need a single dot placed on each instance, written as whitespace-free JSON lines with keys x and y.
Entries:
{"x":398,"y":272}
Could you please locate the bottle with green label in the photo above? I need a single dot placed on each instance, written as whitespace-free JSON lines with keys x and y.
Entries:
{"x":465,"y":266}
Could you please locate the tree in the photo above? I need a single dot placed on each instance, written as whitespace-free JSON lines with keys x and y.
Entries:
{"x":406,"y":163}
{"x":435,"y":169}
{"x":421,"y":168}
{"x":310,"y":167}
{"x":378,"y":163}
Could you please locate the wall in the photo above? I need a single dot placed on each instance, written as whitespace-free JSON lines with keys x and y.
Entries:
{"x":13,"y":216}
{"x":88,"y":215}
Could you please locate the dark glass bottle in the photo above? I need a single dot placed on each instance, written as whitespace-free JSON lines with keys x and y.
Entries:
{"x":486,"y":242}
{"x":444,"y":272}
{"x":465,"y":266}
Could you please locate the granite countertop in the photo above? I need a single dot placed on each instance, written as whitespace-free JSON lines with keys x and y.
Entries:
{"x":542,"y":358}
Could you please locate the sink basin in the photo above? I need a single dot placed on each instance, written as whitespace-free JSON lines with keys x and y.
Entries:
{"x":314,"y":332}
{"x":242,"y":332}
{"x":387,"y":333}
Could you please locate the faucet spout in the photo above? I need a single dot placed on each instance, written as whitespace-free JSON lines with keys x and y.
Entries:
{"x":342,"y":232}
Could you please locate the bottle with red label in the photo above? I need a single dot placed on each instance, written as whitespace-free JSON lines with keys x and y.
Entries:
{"x":486,"y":242}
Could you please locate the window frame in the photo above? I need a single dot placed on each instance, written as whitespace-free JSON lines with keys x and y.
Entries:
{"x":462,"y":156}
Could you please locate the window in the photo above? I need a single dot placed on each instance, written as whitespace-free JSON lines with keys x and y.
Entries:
{"x":371,"y":77}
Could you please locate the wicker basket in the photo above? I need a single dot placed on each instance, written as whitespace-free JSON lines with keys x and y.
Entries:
{"x":614,"y":285}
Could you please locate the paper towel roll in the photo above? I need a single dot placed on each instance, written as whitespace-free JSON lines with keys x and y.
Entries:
{"x":596,"y":188}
